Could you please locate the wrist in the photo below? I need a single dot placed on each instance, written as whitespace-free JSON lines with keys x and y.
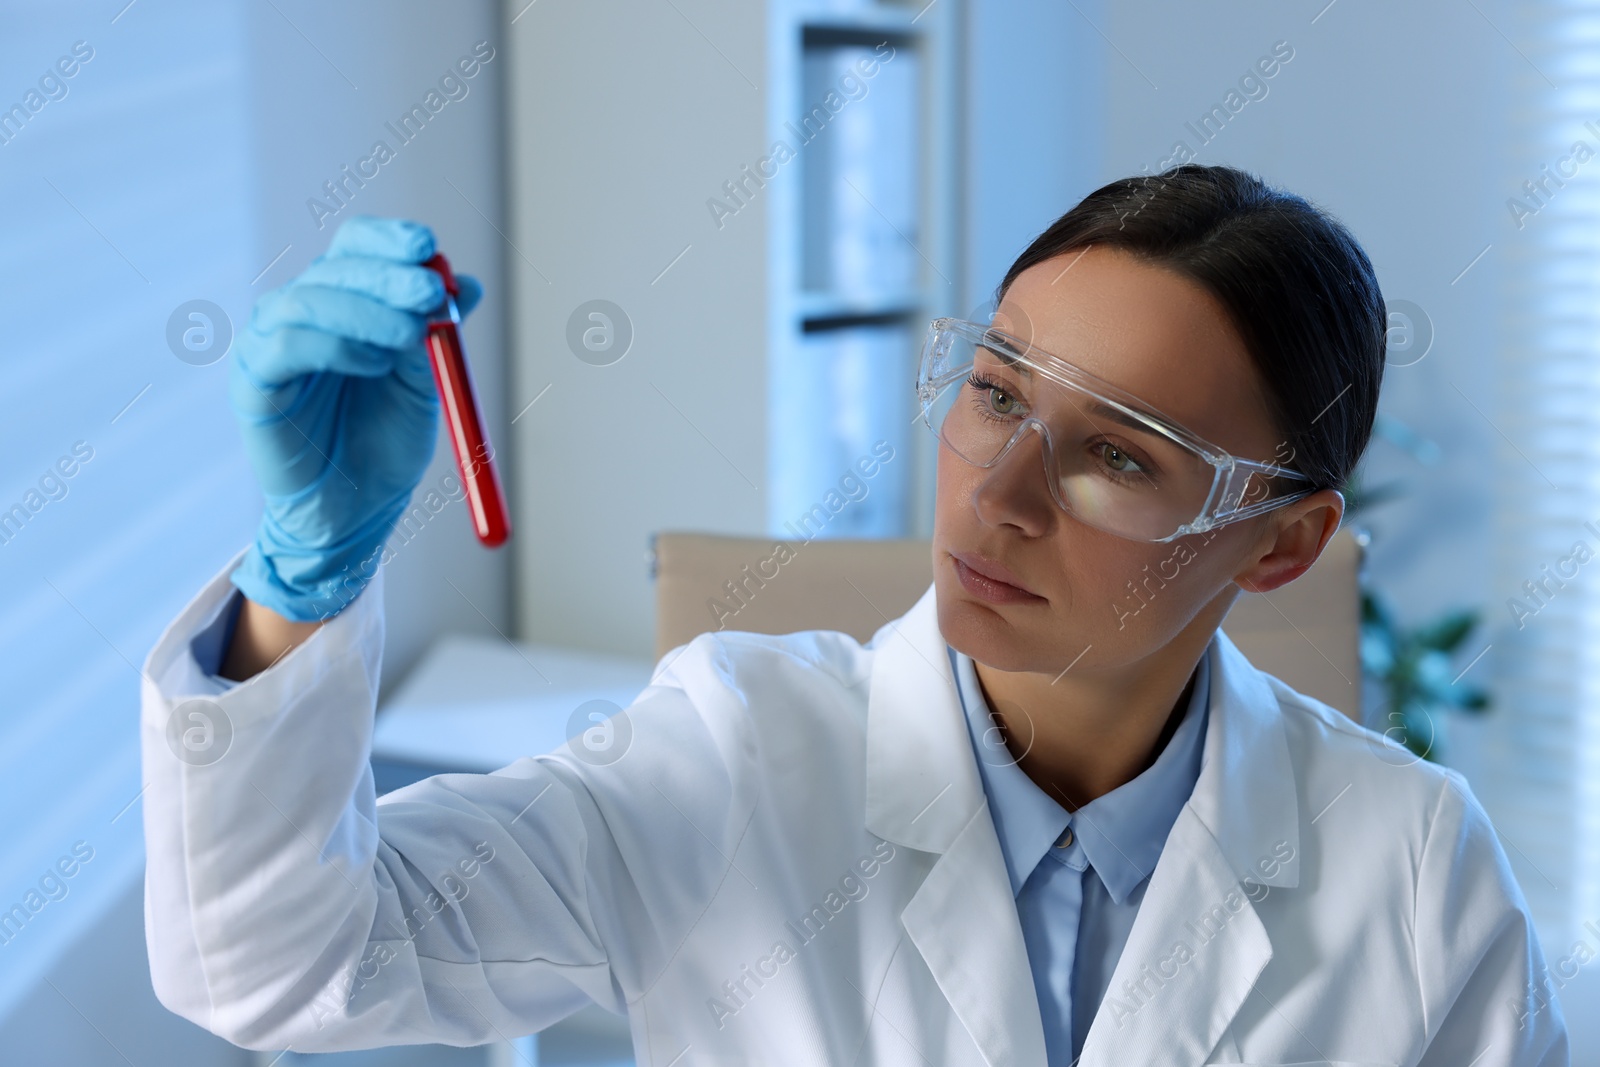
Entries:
{"x":259,"y":639}
{"x":312,"y":582}
{"x":303,"y":588}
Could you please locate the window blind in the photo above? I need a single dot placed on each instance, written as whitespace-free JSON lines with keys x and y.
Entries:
{"x":1542,"y":768}
{"x":122,"y":482}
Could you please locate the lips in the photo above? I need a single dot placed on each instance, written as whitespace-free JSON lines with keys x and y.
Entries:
{"x":994,"y":577}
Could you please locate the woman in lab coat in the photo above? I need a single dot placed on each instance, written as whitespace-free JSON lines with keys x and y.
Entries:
{"x":808,"y":852}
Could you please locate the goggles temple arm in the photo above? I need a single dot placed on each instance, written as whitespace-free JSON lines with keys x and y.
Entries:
{"x":1230,"y":505}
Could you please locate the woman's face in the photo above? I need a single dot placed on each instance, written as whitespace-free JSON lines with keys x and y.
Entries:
{"x":1164,"y":339}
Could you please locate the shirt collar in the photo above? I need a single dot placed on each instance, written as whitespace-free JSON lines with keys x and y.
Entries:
{"x":1121,"y":833}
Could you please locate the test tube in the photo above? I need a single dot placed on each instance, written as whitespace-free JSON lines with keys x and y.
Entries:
{"x":486,"y":504}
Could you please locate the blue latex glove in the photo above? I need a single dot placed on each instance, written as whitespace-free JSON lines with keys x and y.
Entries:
{"x":335,"y":397}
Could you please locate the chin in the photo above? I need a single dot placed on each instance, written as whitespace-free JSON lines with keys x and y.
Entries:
{"x":983,"y":632}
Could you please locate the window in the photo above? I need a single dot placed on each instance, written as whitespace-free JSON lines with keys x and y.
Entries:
{"x":1543,"y":768}
{"x":123,"y":162}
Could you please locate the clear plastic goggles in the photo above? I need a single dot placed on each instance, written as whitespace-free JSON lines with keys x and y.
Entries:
{"x":1111,"y":460}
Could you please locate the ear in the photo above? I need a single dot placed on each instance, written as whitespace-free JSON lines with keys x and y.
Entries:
{"x":1292,"y":540}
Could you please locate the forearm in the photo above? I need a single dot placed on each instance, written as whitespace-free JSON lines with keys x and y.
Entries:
{"x":261,"y":637}
{"x":277,"y":916}
{"x":260,"y":881}
{"x":263,"y":843}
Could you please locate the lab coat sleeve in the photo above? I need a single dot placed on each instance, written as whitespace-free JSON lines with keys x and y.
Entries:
{"x":287,"y":907}
{"x":1486,"y":999}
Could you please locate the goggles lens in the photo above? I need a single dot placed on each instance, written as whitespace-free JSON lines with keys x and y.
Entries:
{"x":1104,"y":464}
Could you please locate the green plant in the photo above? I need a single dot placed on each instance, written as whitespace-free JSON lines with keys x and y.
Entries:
{"x":1413,"y":665}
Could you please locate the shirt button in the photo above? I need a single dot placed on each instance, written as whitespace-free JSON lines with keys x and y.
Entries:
{"x":1065,"y":840}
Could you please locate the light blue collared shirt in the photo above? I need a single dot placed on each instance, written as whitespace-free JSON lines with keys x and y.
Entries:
{"x":215,"y":634}
{"x":1075,"y":926}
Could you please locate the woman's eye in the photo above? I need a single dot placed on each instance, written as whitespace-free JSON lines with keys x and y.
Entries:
{"x":1118,"y":460}
{"x":993,"y":399}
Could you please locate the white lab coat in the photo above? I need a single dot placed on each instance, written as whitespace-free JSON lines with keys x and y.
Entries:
{"x":794,"y":863}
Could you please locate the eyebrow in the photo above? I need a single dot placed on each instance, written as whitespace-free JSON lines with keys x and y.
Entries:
{"x":1117,"y":415}
{"x":1005,"y":355}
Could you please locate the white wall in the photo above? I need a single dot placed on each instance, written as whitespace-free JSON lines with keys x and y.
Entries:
{"x":624,"y":119}
{"x":1034,"y":124}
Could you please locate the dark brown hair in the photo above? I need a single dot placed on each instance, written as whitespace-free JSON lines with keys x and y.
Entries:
{"x":1296,"y":285}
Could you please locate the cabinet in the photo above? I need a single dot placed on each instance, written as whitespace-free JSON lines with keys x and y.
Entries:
{"x":862,"y":254}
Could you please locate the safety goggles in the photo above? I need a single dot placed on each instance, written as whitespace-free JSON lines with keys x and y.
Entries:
{"x":1111,"y":460}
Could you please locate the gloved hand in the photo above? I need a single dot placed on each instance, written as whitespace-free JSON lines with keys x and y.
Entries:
{"x":335,"y":397}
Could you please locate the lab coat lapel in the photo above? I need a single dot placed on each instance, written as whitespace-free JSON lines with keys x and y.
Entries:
{"x":1197,"y":945}
{"x":923,"y":791}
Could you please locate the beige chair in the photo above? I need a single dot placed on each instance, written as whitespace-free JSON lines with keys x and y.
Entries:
{"x":1307,"y":633}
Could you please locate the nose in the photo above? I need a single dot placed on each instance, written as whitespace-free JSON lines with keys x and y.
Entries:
{"x":1016,"y":491}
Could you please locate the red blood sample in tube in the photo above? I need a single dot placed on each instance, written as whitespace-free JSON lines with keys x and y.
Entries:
{"x":486,"y":504}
